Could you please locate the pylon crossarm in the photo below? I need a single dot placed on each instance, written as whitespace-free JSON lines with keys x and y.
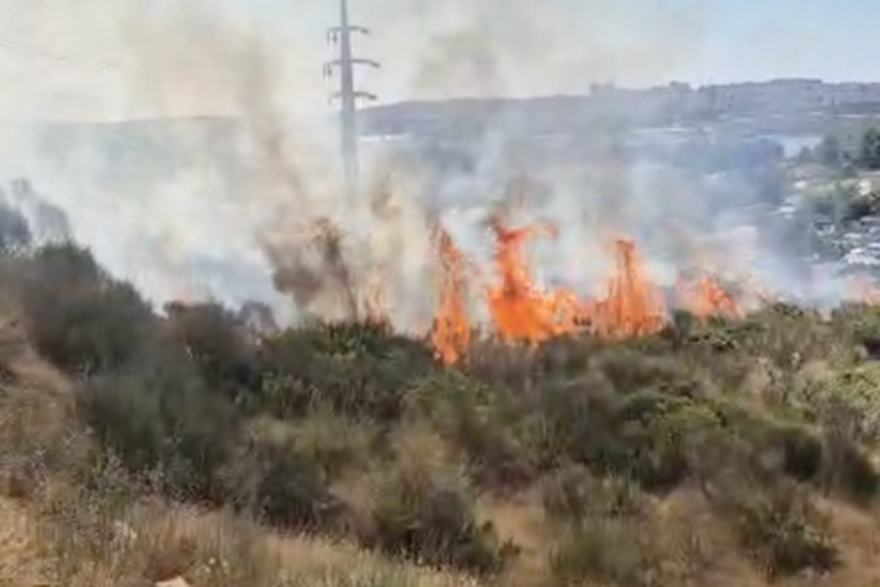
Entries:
{"x":333,"y":64}
{"x":365,"y":96}
{"x":333,"y":32}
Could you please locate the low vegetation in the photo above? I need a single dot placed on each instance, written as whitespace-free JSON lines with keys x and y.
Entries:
{"x":664,"y":460}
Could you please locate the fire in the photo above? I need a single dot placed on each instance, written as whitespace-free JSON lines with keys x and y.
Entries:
{"x":374,"y":308}
{"x":519,"y":311}
{"x":865,"y":291}
{"x":451,"y":335}
{"x":705,"y":298}
{"x":633,"y":306}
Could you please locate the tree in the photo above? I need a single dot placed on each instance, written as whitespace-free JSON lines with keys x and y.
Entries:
{"x":869,"y":156}
{"x":805,"y":155}
{"x":15,"y":234}
{"x":828,"y":151}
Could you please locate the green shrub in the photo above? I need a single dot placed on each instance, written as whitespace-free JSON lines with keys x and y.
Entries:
{"x":573,"y":494}
{"x":606,"y":532}
{"x":277,"y":484}
{"x":846,"y":399}
{"x":782,"y":530}
{"x":632,"y":370}
{"x":777,"y":524}
{"x":15,"y":233}
{"x":474,"y":417}
{"x":354,"y":369}
{"x":330,"y":441}
{"x":643,"y":436}
{"x":570,"y":421}
{"x":849,"y":469}
{"x":422,"y":509}
{"x":158,"y":415}
{"x":614,"y":551}
{"x":217,"y":342}
{"x":79,"y":318}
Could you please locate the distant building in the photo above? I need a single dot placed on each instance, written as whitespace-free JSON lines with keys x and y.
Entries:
{"x":847,"y":94}
{"x":666,"y":105}
{"x":775,"y":96}
{"x":849,"y":131}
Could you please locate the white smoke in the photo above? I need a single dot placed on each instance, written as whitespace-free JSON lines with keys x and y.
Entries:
{"x":188,"y":208}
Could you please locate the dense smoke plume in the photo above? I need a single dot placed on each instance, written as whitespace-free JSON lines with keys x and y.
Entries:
{"x":240,"y":207}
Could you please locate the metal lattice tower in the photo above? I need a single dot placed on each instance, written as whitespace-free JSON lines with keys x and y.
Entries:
{"x":348,"y":96}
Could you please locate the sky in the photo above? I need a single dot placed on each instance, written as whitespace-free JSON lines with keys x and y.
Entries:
{"x":118,"y":59}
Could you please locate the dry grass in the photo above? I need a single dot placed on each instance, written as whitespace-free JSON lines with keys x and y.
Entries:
{"x":520,"y":519}
{"x":55,"y":533}
{"x":21,"y":562}
{"x":154,"y":542}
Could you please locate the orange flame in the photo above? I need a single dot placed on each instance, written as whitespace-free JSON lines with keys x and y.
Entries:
{"x":865,"y":291}
{"x":374,"y":308}
{"x":633,"y":306}
{"x":705,"y":298}
{"x":519,"y":311}
{"x":451,"y":333}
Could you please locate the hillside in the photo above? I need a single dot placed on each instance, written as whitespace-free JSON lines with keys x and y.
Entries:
{"x":136,"y":448}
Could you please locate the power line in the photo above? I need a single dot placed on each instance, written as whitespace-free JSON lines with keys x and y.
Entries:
{"x":347,"y":94}
{"x":50,"y":56}
{"x":112,"y":66}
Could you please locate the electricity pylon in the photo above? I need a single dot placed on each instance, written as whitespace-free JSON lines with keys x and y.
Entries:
{"x":348,"y":96}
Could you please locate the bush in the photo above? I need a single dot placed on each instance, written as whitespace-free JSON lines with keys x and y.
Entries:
{"x":80,"y":319}
{"x":606,"y":531}
{"x":217,"y":342}
{"x":776,"y":522}
{"x":158,"y":415}
{"x":470,"y":415}
{"x":335,"y":444}
{"x":633,"y":370}
{"x":614,"y":551}
{"x":573,"y":494}
{"x":422,"y":511}
{"x":354,"y":369}
{"x":849,"y":469}
{"x":784,"y":532}
{"x":643,"y":436}
{"x":859,"y":323}
{"x":277,"y":484}
{"x":15,"y":233}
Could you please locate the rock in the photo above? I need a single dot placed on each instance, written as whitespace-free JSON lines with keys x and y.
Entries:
{"x":175,"y":582}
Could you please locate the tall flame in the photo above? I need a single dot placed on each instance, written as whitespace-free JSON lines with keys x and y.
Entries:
{"x":451,"y":333}
{"x":706,"y":298}
{"x":633,"y":306}
{"x":519,"y":311}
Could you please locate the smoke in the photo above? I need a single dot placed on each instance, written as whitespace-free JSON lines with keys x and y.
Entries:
{"x":180,"y":207}
{"x":244,"y":205}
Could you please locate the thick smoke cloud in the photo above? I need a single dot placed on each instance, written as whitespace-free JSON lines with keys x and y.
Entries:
{"x":225,"y":207}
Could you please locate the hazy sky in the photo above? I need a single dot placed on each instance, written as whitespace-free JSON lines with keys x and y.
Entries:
{"x":128,"y":58}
